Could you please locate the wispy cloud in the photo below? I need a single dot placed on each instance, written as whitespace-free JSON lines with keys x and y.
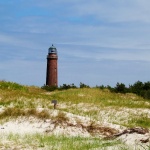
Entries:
{"x":90,"y":36}
{"x":116,"y":11}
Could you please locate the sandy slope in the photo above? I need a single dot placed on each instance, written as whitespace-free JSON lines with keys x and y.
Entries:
{"x":74,"y":126}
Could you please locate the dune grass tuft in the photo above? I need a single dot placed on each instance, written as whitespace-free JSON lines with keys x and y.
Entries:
{"x":16,"y":112}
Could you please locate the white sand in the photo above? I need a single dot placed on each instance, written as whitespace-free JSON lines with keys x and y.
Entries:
{"x":33,"y":125}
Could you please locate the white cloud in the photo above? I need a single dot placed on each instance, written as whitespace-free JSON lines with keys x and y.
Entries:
{"x":116,"y":11}
{"x":98,"y":53}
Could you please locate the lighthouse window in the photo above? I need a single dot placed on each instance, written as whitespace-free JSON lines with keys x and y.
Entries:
{"x":53,"y":51}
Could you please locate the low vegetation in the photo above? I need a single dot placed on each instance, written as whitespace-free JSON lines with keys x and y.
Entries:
{"x":16,"y":112}
{"x":101,"y":104}
{"x":139,"y":88}
{"x":57,"y":143}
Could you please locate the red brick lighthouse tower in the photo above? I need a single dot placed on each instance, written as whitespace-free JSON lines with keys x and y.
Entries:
{"x":51,"y":75}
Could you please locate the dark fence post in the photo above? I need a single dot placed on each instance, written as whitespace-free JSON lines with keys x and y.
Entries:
{"x":55,"y":103}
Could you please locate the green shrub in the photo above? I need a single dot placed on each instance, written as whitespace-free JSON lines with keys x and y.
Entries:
{"x":120,"y":88}
{"x":147,"y":94}
{"x":49,"y":88}
{"x":82,"y":85}
{"x":66,"y":87}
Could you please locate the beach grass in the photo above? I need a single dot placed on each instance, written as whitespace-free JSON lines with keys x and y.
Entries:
{"x":128,"y":110}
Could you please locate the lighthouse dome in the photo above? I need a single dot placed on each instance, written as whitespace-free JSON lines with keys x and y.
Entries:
{"x":52,"y":50}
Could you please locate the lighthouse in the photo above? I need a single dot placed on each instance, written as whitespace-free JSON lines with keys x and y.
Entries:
{"x":52,"y":72}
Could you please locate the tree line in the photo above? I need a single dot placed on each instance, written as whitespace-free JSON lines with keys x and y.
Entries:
{"x":139,"y":88}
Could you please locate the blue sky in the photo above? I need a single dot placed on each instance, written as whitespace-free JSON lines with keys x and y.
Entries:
{"x":98,"y":42}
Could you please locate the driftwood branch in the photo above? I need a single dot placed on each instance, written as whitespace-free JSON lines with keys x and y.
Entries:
{"x":137,"y":130}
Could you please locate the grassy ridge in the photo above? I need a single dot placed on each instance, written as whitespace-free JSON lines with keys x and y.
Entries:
{"x":89,"y":102}
{"x":101,"y":97}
